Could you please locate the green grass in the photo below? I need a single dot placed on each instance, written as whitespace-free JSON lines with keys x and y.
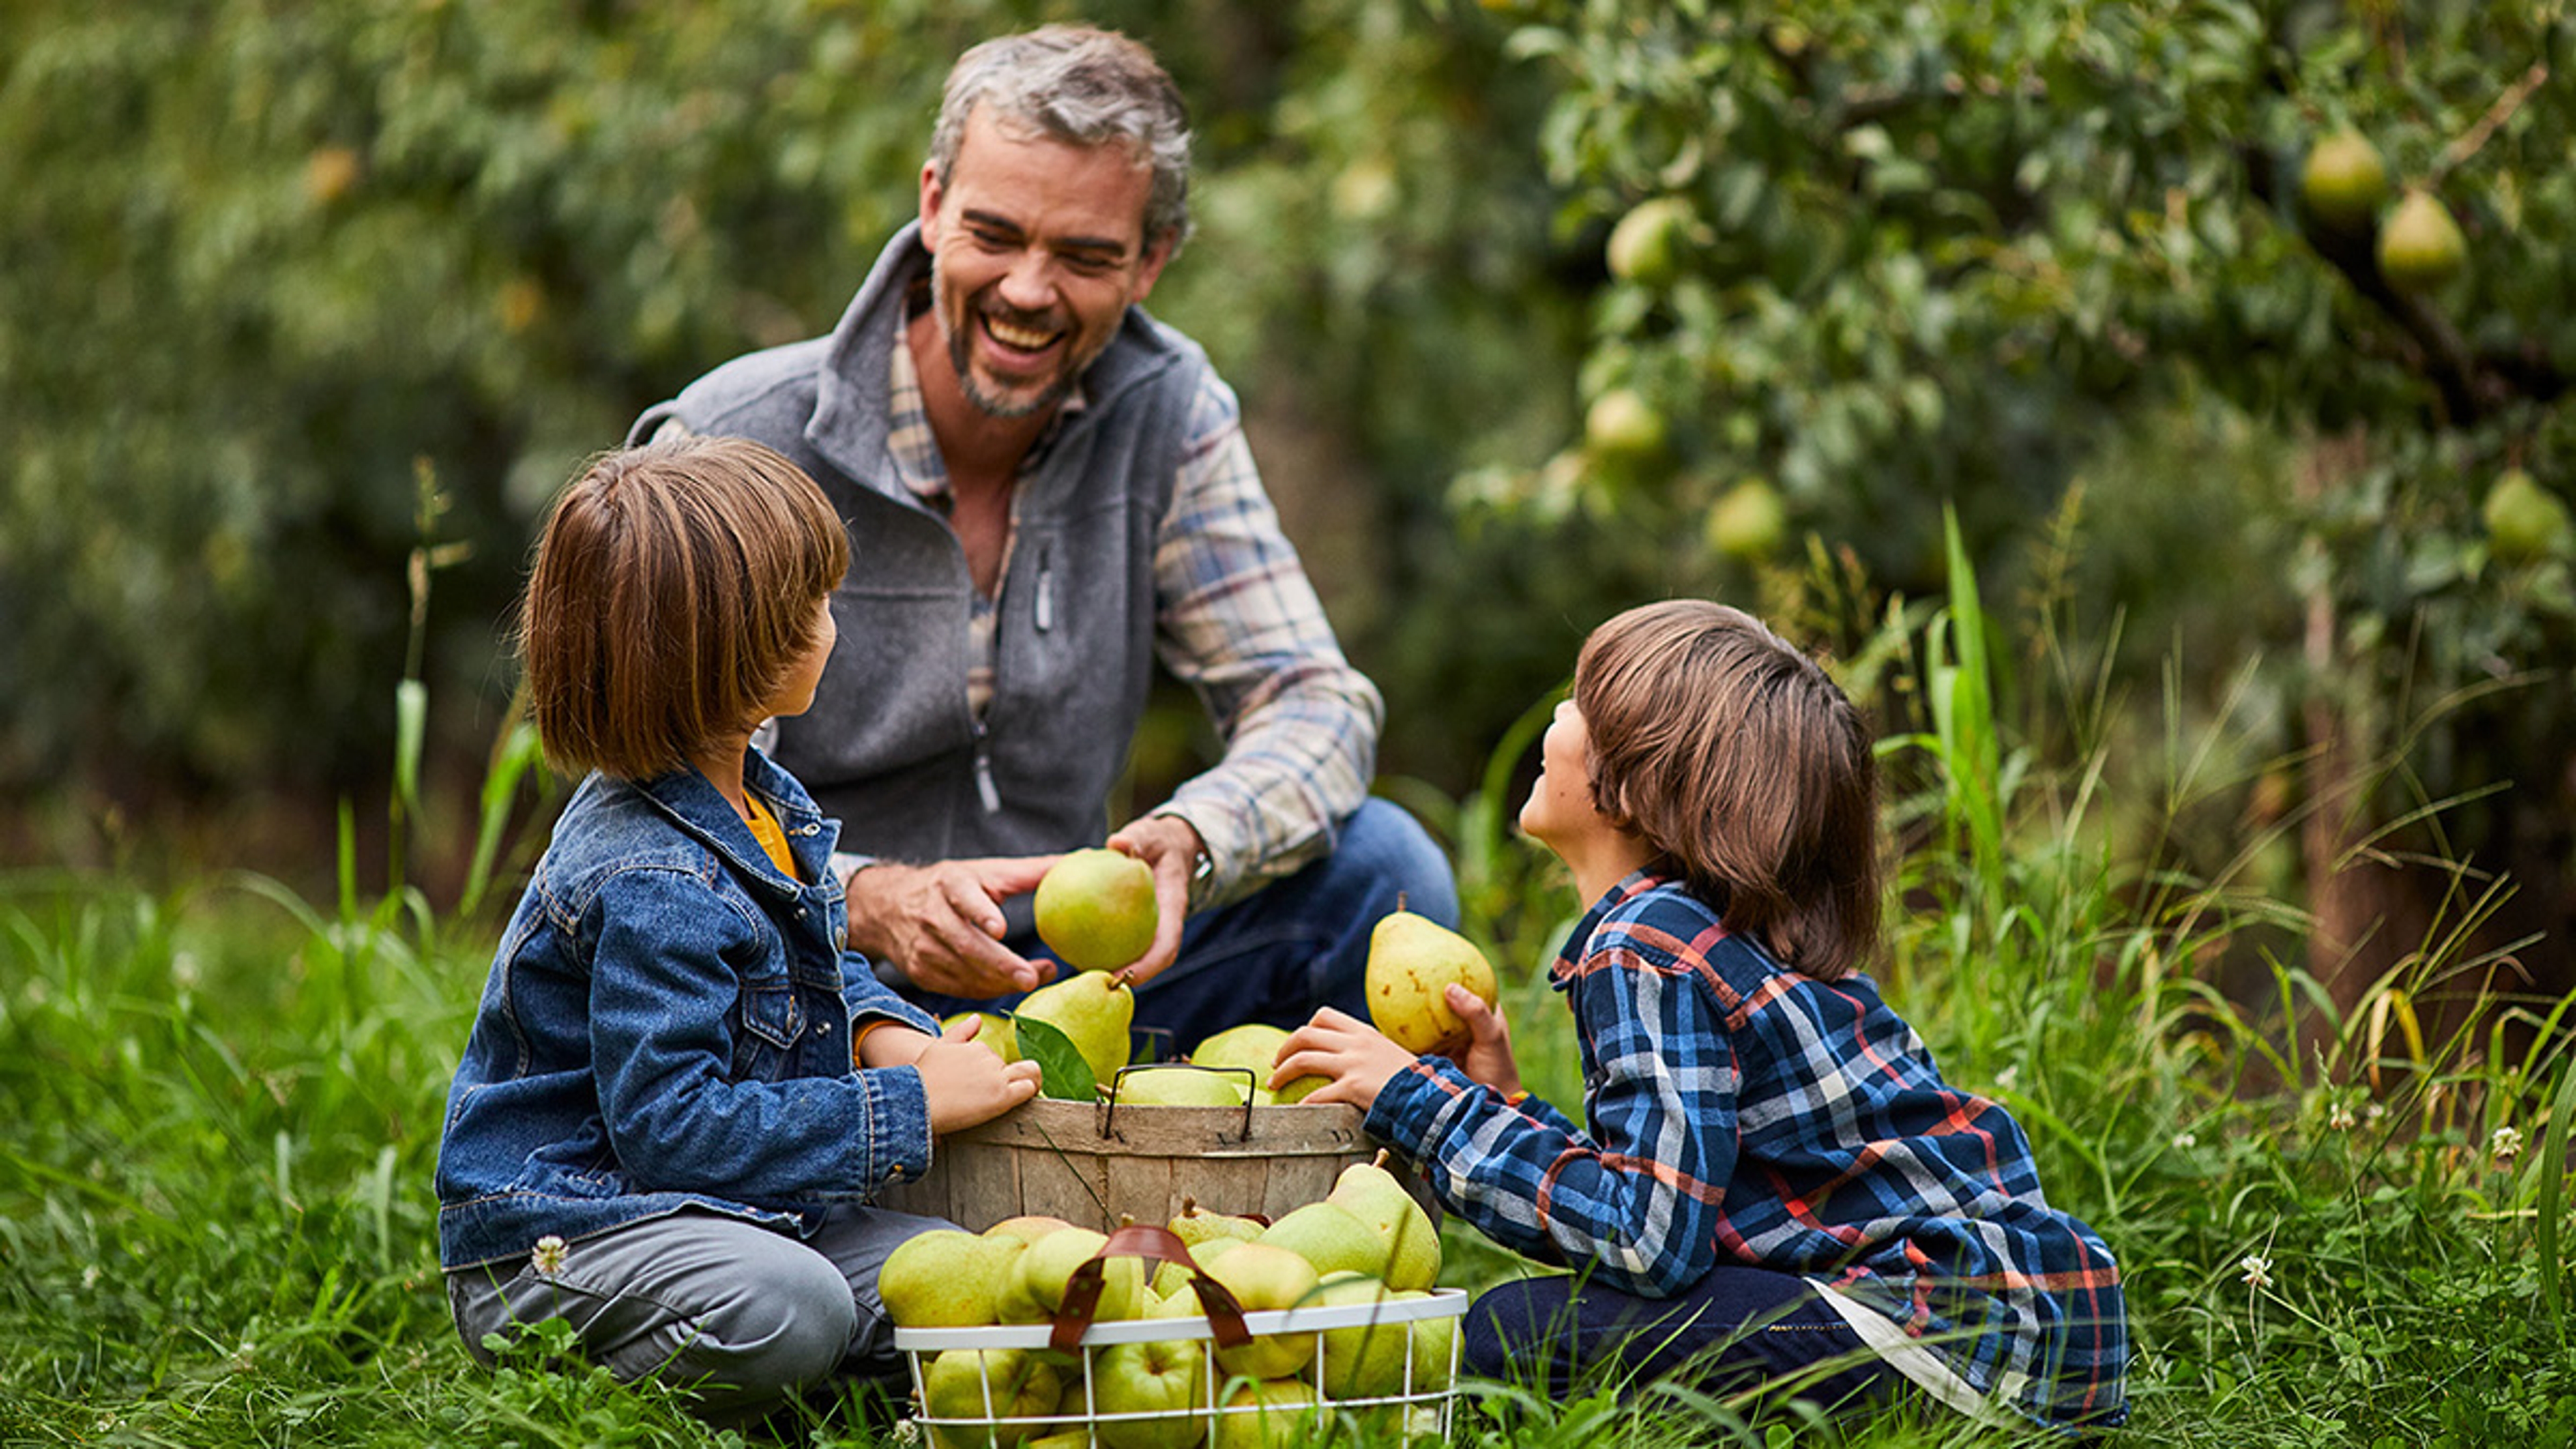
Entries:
{"x":223,"y":1106}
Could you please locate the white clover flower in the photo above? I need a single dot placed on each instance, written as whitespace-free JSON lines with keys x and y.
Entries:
{"x":2258,"y":1270}
{"x":90,"y":1276}
{"x":2374,"y":1111}
{"x":2341,"y":1118}
{"x":2506,"y":1144}
{"x":2008,"y":1078}
{"x":549,"y":1256}
{"x":2186,"y":1141}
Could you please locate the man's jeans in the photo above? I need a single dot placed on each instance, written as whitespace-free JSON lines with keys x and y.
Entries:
{"x":1288,"y":948}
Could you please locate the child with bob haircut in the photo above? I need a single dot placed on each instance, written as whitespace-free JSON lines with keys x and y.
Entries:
{"x":1772,"y":1180}
{"x":680,"y":1092}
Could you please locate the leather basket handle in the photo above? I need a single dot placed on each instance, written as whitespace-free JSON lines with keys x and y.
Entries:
{"x":1154,"y":1244}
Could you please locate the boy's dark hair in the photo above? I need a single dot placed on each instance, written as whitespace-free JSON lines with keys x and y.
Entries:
{"x":674,"y":586}
{"x":1744,"y":768}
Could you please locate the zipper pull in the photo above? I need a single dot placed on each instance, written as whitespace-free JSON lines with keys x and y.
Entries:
{"x":1046,"y":589}
{"x":984,"y":782}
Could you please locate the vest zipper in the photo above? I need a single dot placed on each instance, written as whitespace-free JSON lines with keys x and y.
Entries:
{"x":1045,"y":610}
{"x":984,"y":785}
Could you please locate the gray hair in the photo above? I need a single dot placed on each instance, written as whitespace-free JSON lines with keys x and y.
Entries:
{"x":1090,"y":87}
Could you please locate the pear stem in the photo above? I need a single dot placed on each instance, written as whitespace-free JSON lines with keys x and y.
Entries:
{"x":1380,"y":1160}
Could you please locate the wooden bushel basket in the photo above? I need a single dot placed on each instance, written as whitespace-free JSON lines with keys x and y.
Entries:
{"x":1097,"y":1164}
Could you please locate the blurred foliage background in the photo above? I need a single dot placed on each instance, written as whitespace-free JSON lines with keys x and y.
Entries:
{"x":1538,"y":309}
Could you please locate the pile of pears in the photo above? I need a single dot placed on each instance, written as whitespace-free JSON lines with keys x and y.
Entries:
{"x":1367,"y":1241}
{"x":1096,"y":910}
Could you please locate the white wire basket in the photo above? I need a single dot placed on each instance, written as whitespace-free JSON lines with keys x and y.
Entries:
{"x":1423,"y":1395}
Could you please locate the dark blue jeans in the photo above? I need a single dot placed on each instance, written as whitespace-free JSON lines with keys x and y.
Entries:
{"x":1735,"y":1329}
{"x":1294,"y":945}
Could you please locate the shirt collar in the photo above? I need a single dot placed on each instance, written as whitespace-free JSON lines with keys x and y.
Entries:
{"x":1568,"y":959}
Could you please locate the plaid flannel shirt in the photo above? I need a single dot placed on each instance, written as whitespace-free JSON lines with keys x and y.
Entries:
{"x":1740,"y":1112}
{"x":1238,"y":621}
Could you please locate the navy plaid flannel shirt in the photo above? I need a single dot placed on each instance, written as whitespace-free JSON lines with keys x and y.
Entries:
{"x":1740,"y":1112}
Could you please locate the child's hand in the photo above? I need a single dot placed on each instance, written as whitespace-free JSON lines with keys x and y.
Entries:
{"x":966,"y":1083}
{"x":1355,"y":1055}
{"x":1487,"y":1061}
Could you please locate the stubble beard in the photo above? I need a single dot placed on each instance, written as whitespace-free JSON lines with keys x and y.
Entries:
{"x":961,"y":357}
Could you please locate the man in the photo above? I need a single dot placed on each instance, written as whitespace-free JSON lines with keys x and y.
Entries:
{"x":1045,"y":489}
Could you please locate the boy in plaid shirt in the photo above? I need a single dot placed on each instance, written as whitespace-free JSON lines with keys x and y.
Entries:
{"x":1772,"y":1180}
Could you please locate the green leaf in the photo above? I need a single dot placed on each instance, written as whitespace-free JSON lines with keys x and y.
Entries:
{"x":1062,"y":1072}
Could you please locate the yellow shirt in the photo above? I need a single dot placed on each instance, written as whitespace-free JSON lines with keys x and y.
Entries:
{"x":765,"y":829}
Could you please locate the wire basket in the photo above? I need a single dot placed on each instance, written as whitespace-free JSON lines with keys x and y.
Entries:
{"x":1026,"y":1382}
{"x":1423,"y":1399}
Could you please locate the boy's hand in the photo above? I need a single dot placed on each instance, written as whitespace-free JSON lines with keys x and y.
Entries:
{"x":966,"y":1083}
{"x":1487,"y":1061}
{"x":1355,"y":1055}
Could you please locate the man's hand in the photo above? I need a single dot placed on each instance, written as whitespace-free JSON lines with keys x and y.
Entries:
{"x":1171,"y":846}
{"x":1355,"y":1055}
{"x":966,"y":1082}
{"x":942,"y":924}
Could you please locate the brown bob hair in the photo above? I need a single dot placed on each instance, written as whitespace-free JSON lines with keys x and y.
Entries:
{"x":674,"y":586}
{"x":1741,"y":764}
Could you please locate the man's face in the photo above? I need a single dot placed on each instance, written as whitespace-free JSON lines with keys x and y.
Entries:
{"x":1037,"y":250}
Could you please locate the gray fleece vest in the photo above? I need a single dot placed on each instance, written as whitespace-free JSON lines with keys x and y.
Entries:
{"x":890,"y":746}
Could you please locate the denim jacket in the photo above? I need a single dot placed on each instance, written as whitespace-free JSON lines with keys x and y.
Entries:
{"x":668,"y":1025}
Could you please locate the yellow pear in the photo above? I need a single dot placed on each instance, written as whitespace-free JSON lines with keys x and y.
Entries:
{"x":1263,"y":1279}
{"x":1371,"y":1193}
{"x":1331,"y":1237}
{"x":1194,"y":1224}
{"x":1094,"y":1011}
{"x":1412,"y":961}
{"x":1027,"y":1227}
{"x":946,"y":1278}
{"x":1254,"y":1046}
{"x":1435,"y":1342}
{"x":1096,"y":909}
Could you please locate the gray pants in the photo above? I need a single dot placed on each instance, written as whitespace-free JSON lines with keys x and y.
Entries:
{"x":746,"y":1313}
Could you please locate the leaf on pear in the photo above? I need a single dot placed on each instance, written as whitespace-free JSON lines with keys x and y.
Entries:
{"x":1062,"y":1072}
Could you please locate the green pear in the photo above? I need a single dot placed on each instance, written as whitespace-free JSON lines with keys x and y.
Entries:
{"x":1264,"y":1279}
{"x":1412,"y":962}
{"x":1435,"y":1342}
{"x":996,"y":1383}
{"x":1255,"y":1046}
{"x":1194,"y":1224}
{"x":1096,"y":909}
{"x":1158,"y":1378}
{"x":1173,"y":1281}
{"x":1371,"y":1193}
{"x":1095,"y":1012}
{"x":2344,"y":181}
{"x":2421,"y":247}
{"x":1366,"y":1361}
{"x":1062,"y":1438}
{"x":1177,"y":1087}
{"x":946,"y":1278}
{"x":1027,"y":1227}
{"x":1331,"y":1237}
{"x":1035,"y":1289}
{"x":1272,"y":1414}
{"x":997,"y":1032}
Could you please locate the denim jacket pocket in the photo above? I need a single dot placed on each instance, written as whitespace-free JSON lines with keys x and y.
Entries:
{"x":772,"y":1021}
